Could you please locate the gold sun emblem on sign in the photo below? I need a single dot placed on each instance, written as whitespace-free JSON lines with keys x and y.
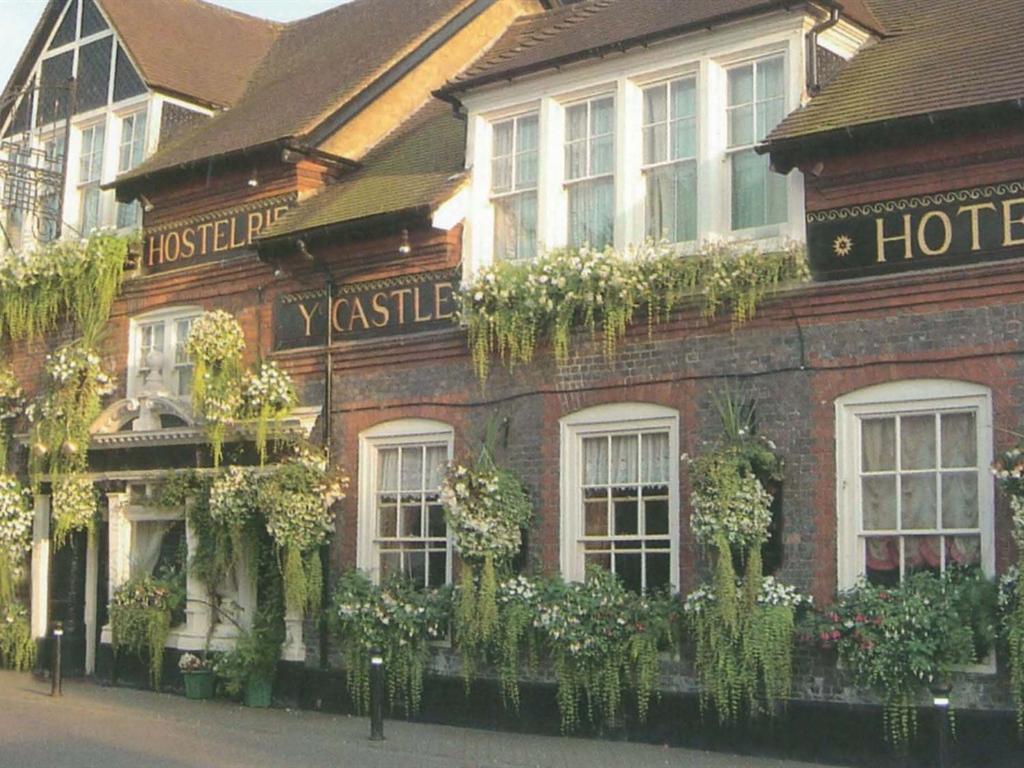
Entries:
{"x":842,"y":246}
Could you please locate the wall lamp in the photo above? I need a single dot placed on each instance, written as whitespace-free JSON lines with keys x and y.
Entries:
{"x":253,"y":180}
{"x":304,"y":250}
{"x":147,"y":204}
{"x":405,"y":248}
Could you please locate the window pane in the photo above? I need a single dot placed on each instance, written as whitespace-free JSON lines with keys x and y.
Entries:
{"x":878,"y":503}
{"x":416,"y":566}
{"x":741,"y":85}
{"x":412,"y":469}
{"x":387,"y":520}
{"x":592,"y":213}
{"x":919,"y":502}
{"x":602,"y":116}
{"x":878,"y":445}
{"x":656,"y":516}
{"x":501,"y":174}
{"x":503,"y":139}
{"x":770,"y":79}
{"x":741,"y":126}
{"x":626,"y":510}
{"x":655,"y":105}
{"x":129,"y":216}
{"x":628,"y":568}
{"x":960,"y":500}
{"x":515,"y":226}
{"x":576,"y":122}
{"x":595,"y":512}
{"x":624,"y":459}
{"x":436,"y":526}
{"x":437,"y":465}
{"x":671,"y":202}
{"x":602,"y":155}
{"x":438,"y":574}
{"x":684,"y":139}
{"x":410,"y":519}
{"x":748,"y":189}
{"x":390,"y":564}
{"x":90,"y":218}
{"x":595,"y":461}
{"x":923,"y":554}
{"x":684,"y":99}
{"x":655,"y":144}
{"x":659,"y":575}
{"x":387,"y":469}
{"x":917,"y":442}
{"x":526,"y":170}
{"x":769,"y":114}
{"x":882,"y":560}
{"x":964,"y":551}
{"x":959,"y":440}
{"x":655,"y":458}
{"x":527,"y":132}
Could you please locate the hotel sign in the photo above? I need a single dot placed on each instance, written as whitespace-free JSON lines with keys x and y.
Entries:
{"x":980,"y":224}
{"x":211,"y":237}
{"x":389,"y":307}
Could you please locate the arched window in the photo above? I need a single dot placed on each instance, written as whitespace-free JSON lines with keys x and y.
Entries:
{"x":401,"y":521}
{"x":914,"y":491}
{"x":620,"y":494}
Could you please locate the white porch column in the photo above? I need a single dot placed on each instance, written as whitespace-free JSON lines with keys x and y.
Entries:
{"x":119,"y":542}
{"x":41,"y":567}
{"x":91,"y":615}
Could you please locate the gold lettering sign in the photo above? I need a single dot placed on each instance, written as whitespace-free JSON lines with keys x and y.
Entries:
{"x":181,"y":245}
{"x":913,"y":233}
{"x":405,"y":304}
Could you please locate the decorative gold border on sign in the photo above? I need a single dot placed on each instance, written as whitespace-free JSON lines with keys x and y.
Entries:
{"x":418,"y":278}
{"x":265,"y":202}
{"x":912,"y":203}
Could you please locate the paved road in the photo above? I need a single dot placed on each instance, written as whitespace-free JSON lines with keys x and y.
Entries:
{"x":96,"y":727}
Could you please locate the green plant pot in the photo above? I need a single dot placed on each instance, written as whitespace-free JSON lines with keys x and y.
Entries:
{"x":199,"y":685}
{"x":257,"y":693}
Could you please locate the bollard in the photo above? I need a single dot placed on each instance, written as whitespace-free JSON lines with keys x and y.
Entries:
{"x":940,"y":700}
{"x":376,"y":695}
{"x":56,"y":683}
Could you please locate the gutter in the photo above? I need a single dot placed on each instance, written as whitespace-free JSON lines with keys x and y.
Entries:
{"x":813,"y":86}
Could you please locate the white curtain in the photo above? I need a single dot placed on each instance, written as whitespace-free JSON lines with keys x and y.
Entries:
{"x":147,"y":541}
{"x":655,"y":460}
{"x":437,"y":463}
{"x":387,"y":469}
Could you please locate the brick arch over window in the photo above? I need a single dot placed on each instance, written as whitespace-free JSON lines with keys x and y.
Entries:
{"x":620,"y":493}
{"x":913,"y":487}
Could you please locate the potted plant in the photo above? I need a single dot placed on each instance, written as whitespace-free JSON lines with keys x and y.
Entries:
{"x":248,"y":669}
{"x":199,"y":677}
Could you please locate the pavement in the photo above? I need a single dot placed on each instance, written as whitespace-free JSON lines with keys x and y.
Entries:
{"x":98,"y":727}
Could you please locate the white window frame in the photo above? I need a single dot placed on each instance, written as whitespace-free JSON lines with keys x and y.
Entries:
{"x":89,"y":176}
{"x":589,"y":177}
{"x":760,"y":230}
{"x":514,"y":190}
{"x":604,"y":420}
{"x":646,"y":168}
{"x":906,"y":397}
{"x":169,"y":318}
{"x":706,"y":57}
{"x":391,"y":434}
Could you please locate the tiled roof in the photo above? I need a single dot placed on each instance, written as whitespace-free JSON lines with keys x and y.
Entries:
{"x":191,"y":47}
{"x":315,"y":66}
{"x":942,"y":55}
{"x":591,"y":28}
{"x":418,"y":167}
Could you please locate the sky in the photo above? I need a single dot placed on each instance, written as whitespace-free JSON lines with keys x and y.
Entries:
{"x":18,"y":18}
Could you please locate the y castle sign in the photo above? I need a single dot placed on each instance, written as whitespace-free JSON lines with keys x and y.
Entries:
{"x":946,"y":228}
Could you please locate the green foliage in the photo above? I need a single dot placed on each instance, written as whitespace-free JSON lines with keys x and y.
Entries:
{"x":1009,"y":471}
{"x":17,"y":646}
{"x":255,"y":654}
{"x":603,"y":641}
{"x":510,"y":307}
{"x":75,"y":502}
{"x":140,"y":618}
{"x":215,"y":345}
{"x":486,"y":509}
{"x":12,"y":403}
{"x":268,"y":394}
{"x":396,"y":619}
{"x":900,"y":639}
{"x":79,"y":279}
{"x":517,"y":608}
{"x":63,"y":414}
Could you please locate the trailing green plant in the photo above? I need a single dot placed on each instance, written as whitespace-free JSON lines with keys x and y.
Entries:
{"x":79,"y":279}
{"x":755,"y":669}
{"x":510,"y":307}
{"x":516,"y":635}
{"x":486,"y":509}
{"x":900,"y":639}
{"x":17,"y":647}
{"x":63,"y":414}
{"x":296,"y":500}
{"x":743,"y":638}
{"x":254,"y":655}
{"x":12,"y":405}
{"x":215,"y":345}
{"x":232,"y":508}
{"x":74,"y":504}
{"x":268,"y":394}
{"x":603,"y":641}
{"x":395,"y":619}
{"x":140,"y":619}
{"x":1009,"y":471}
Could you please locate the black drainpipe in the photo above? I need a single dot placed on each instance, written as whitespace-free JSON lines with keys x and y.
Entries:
{"x":813,"y":86}
{"x":325,"y":550}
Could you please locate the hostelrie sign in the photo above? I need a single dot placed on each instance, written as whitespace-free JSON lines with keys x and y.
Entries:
{"x":979,"y":224}
{"x":389,"y":307}
{"x":211,"y":237}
